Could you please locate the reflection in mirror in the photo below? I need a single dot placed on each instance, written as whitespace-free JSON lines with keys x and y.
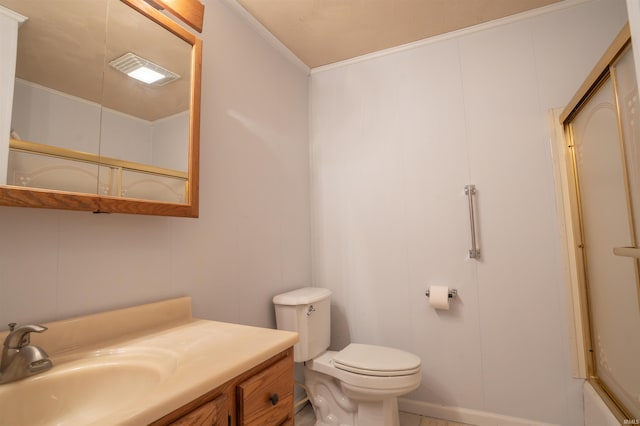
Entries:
{"x":82,"y":124}
{"x":146,"y":123}
{"x":57,"y":92}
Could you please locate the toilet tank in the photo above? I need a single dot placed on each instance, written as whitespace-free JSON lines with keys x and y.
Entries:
{"x":308,"y":312}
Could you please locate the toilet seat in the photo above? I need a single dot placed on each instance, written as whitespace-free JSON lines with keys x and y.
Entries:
{"x":389,"y":386}
{"x":380,"y":361}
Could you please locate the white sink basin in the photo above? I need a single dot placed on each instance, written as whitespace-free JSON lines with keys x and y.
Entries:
{"x":84,"y":391}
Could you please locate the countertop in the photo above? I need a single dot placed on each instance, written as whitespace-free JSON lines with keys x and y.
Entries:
{"x":200,"y":355}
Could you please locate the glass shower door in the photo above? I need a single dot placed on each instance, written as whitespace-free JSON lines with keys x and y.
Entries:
{"x":607,"y":166}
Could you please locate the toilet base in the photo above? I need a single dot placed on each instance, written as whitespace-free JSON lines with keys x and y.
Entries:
{"x":383,"y":412}
{"x":333,"y":407}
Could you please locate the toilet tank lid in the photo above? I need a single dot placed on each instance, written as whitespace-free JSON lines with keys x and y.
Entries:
{"x":302,"y":296}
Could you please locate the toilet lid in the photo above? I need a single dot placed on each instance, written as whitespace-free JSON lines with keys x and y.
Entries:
{"x":376,"y":360}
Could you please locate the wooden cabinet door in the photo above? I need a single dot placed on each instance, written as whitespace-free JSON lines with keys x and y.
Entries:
{"x":266,"y":398}
{"x":212,"y":413}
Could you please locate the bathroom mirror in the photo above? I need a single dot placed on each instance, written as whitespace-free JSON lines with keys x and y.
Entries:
{"x":87,"y":135}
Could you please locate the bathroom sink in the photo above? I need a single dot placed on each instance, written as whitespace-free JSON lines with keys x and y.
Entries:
{"x":85,"y":390}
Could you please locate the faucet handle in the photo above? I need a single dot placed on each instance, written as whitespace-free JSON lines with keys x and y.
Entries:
{"x":19,"y":337}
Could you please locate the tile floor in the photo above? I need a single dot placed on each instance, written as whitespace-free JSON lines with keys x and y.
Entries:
{"x":305,"y":417}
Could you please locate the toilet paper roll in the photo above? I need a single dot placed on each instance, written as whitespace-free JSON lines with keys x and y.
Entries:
{"x":439,"y":297}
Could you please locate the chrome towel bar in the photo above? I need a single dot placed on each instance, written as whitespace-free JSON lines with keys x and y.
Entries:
{"x":474,"y":252}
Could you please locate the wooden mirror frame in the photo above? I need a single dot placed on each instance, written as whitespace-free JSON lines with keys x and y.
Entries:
{"x":45,"y":198}
{"x":189,"y":11}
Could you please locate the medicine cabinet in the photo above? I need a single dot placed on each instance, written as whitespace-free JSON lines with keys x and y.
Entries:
{"x":83,"y":133}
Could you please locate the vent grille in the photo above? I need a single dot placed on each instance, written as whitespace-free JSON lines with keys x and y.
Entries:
{"x":130,"y":62}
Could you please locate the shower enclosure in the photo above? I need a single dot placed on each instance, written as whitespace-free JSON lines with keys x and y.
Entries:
{"x":602,"y":130}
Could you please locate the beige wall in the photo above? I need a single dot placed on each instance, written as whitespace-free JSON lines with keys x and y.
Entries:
{"x":251,"y":240}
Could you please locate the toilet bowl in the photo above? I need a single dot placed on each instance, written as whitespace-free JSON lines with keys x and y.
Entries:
{"x":357,"y":386}
{"x":343,"y":397}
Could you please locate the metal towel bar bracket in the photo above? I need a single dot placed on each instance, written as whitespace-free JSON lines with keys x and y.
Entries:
{"x":474,"y":252}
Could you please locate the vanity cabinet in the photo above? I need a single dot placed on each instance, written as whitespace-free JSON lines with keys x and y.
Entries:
{"x":266,"y":398}
{"x":262,"y":395}
{"x":212,"y":413}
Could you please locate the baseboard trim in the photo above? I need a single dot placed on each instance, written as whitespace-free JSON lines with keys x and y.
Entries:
{"x":463,"y":415}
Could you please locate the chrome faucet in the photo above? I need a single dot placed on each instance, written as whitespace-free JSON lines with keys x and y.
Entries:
{"x":20,"y":359}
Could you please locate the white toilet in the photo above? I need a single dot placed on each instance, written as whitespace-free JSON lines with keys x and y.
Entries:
{"x":357,"y":386}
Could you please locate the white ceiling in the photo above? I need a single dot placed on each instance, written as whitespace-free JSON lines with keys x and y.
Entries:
{"x":320,"y":32}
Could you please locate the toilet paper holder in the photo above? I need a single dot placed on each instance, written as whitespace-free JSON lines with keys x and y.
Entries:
{"x":452,"y":293}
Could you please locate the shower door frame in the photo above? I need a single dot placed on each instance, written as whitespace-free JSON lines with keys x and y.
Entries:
{"x":585,"y":356}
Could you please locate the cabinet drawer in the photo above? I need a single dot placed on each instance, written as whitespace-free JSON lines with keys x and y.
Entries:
{"x":212,"y":413}
{"x":266,"y":398}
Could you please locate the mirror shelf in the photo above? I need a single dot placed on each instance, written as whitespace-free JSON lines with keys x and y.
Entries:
{"x":61,"y":200}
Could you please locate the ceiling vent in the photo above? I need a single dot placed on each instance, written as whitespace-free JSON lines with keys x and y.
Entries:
{"x":143,"y":70}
